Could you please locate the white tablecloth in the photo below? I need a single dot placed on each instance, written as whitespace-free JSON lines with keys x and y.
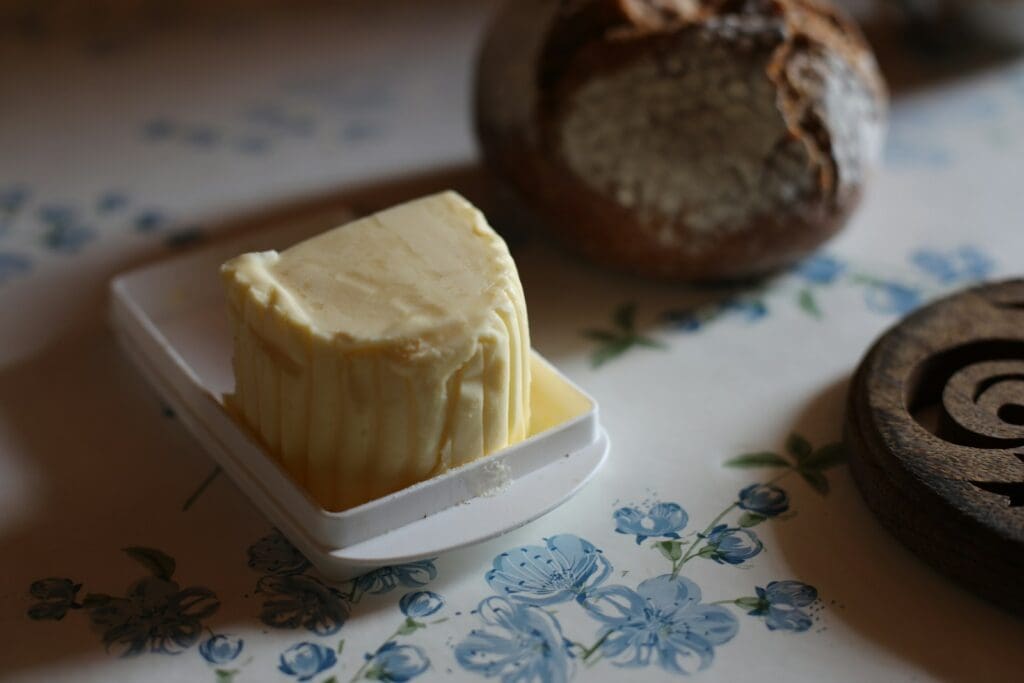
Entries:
{"x":130,"y":143}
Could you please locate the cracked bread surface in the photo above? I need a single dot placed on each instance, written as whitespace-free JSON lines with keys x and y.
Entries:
{"x":682,"y":139}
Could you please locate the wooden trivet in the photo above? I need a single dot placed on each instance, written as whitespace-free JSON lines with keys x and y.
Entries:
{"x":935,"y":431}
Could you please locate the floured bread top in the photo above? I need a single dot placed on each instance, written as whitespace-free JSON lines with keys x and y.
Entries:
{"x":699,"y":119}
{"x":722,"y":120}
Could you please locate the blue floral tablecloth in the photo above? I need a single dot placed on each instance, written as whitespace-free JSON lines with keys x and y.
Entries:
{"x":724,"y":540}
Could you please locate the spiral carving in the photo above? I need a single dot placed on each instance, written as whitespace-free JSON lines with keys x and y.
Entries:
{"x":979,"y":391}
{"x":986,"y":400}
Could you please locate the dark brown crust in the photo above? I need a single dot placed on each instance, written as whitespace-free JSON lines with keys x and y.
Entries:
{"x":815,"y":25}
{"x":591,"y":37}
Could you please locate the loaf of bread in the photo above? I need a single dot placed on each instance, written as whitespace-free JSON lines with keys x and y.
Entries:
{"x":682,"y":139}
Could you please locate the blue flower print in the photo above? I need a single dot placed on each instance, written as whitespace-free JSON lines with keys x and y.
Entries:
{"x":13,"y":265}
{"x":64,"y":232}
{"x":306,"y":660}
{"x":111,"y":201}
{"x":935,"y":264}
{"x":386,"y":579}
{"x":11,"y":201}
{"x":202,"y":136}
{"x":519,"y":644}
{"x":764,"y":499}
{"x":277,"y":118}
{"x":221,"y":649}
{"x":396,"y":663}
{"x":252,"y":144}
{"x":155,"y":615}
{"x":731,"y":545}
{"x":662,"y":621}
{"x":13,"y":198}
{"x":358,"y":131}
{"x":892,"y":298}
{"x":965,"y":264}
{"x":562,"y":570}
{"x":821,"y":269}
{"x":974,"y":264}
{"x":56,"y":596}
{"x":274,"y":554}
{"x":780,"y":603}
{"x":683,"y":320}
{"x":420,"y":604}
{"x":57,"y":214}
{"x":750,"y":310}
{"x":299,"y":600}
{"x":68,"y":238}
{"x":158,"y":129}
{"x":148,"y":220}
{"x":661,"y":520}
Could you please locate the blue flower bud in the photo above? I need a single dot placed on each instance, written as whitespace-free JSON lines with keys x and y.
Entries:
{"x":306,"y":660}
{"x":221,"y":649}
{"x":764,"y":499}
{"x":420,"y":604}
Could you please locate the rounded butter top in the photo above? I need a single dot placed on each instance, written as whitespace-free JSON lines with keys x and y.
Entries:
{"x":424,"y":274}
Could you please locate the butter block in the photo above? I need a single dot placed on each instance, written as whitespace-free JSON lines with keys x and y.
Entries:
{"x":383,"y":352}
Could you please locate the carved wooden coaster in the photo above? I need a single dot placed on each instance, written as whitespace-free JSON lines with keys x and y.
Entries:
{"x":935,"y":430}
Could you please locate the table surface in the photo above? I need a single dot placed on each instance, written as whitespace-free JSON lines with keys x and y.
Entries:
{"x":124,"y":559}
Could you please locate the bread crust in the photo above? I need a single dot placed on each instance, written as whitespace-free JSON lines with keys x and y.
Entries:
{"x":665,"y":173}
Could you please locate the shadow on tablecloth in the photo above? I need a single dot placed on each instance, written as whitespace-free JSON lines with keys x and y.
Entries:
{"x":880,"y":590}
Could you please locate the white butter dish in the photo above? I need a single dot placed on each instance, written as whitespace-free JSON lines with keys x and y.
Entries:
{"x":171,"y":320}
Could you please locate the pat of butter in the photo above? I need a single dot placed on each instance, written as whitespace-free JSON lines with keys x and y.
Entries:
{"x":383,"y":352}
